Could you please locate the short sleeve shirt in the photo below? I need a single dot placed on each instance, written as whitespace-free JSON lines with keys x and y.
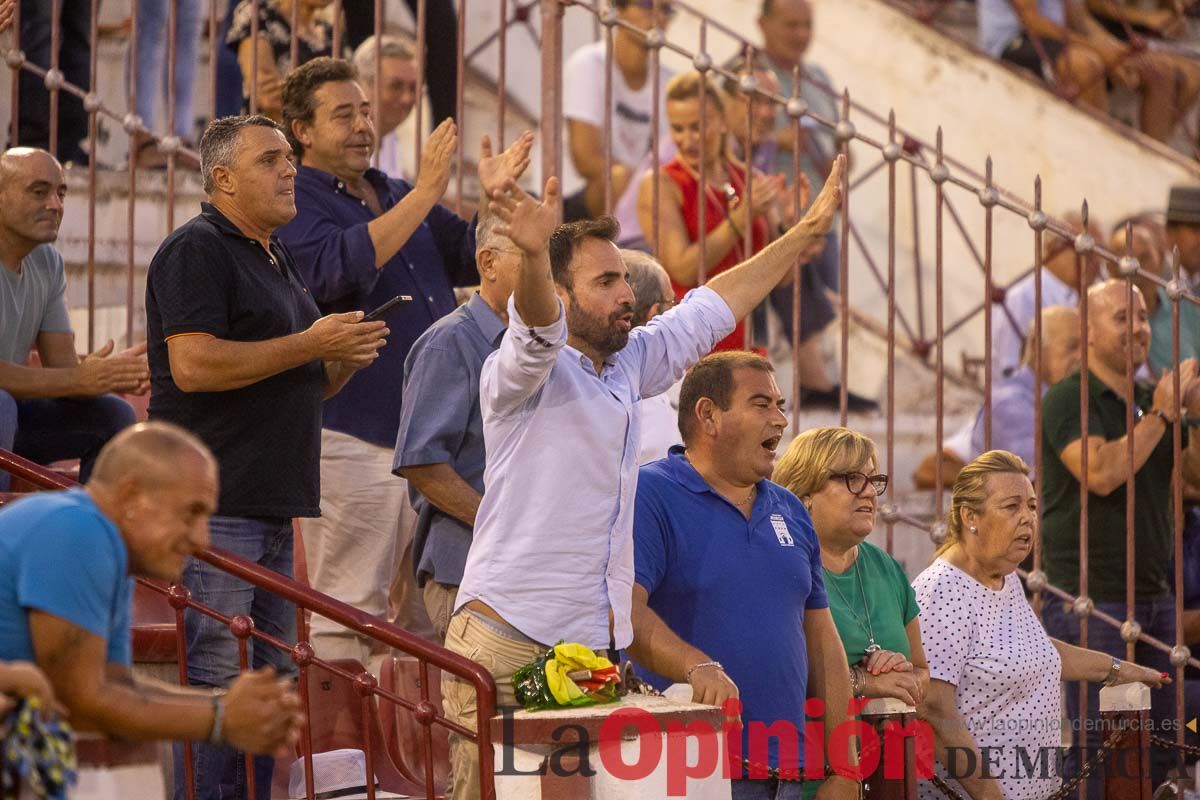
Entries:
{"x":32,"y":301}
{"x":632,"y":110}
{"x":276,"y":28}
{"x":999,"y":23}
{"x":209,"y":278}
{"x":441,"y":423}
{"x":878,"y":581}
{"x":1153,"y":522}
{"x":735,"y":588}
{"x":61,"y":556}
{"x":1005,"y":671}
{"x":816,"y":89}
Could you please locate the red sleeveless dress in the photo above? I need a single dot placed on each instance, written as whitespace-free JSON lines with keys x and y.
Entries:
{"x":715,"y":211}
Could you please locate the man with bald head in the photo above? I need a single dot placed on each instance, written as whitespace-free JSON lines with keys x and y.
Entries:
{"x":1156,"y":412}
{"x":67,"y":563}
{"x":241,"y":356}
{"x":61,"y":409}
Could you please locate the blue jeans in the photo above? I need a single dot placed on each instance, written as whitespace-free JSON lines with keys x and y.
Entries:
{"x":229,"y":72}
{"x":212,"y":650}
{"x":151,"y":68}
{"x":816,"y":312}
{"x":1157,"y":618}
{"x":47,"y":430}
{"x":766,"y":790}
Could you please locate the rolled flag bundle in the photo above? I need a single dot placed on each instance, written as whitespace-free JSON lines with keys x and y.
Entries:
{"x":568,"y":675}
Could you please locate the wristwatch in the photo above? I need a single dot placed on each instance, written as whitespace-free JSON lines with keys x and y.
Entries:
{"x":1114,"y":672}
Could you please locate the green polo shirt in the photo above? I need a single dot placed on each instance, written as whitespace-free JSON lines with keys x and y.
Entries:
{"x":891,"y":603}
{"x":1153,"y":537}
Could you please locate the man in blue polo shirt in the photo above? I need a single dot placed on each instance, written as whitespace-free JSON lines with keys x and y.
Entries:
{"x":729,"y":596}
{"x":360,"y":239}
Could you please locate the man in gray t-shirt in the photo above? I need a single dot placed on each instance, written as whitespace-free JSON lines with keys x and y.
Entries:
{"x":60,"y":409}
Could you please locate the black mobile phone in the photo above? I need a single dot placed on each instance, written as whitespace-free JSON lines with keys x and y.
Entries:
{"x":383,"y":309}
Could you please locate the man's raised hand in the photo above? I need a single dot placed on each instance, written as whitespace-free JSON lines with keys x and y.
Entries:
{"x":524,"y":220}
{"x":434,"y":173}
{"x":819,"y":218}
{"x":496,"y":171}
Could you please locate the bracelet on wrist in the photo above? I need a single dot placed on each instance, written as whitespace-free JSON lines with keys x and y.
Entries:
{"x":701,"y":665}
{"x":857,"y":681}
{"x":1114,"y":672}
{"x":216,"y":733}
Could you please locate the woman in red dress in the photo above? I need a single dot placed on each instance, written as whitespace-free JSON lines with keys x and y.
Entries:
{"x":728,"y":219}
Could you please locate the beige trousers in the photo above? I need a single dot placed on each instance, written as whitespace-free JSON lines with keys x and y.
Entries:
{"x":356,"y":550}
{"x":501,"y":656}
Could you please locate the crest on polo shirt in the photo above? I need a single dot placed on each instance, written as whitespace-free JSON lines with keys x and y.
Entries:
{"x":781,"y":531}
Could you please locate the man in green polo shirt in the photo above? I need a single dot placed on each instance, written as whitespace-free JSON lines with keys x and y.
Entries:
{"x":1155,"y":412}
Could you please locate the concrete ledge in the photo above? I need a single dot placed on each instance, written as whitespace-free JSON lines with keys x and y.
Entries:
{"x":1126,"y":697}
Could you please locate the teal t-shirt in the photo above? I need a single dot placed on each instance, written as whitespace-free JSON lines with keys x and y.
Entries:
{"x":891,"y":603}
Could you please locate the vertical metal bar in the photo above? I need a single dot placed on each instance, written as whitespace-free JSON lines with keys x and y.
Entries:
{"x":369,"y":745}
{"x":213,"y":29}
{"x":302,"y":687}
{"x":189,"y":768}
{"x":1037,"y":395}
{"x":1084,"y":494}
{"x":1130,"y":433}
{"x":55,"y":41}
{"x":135,"y":140}
{"x":551,"y":13}
{"x":460,"y":108}
{"x":376,"y":86}
{"x":844,"y":265}
{"x":987,"y":309}
{"x":501,"y":73}
{"x":243,"y":665}
{"x":427,"y":734}
{"x":940,"y":370}
{"x":253,"y":107}
{"x":14,"y":128}
{"x":891,"y":149}
{"x":609,"y":65}
{"x":294,"y":43}
{"x":655,"y":122}
{"x":748,"y":159}
{"x":336,"y":41}
{"x":702,"y":206}
{"x":172,"y":22}
{"x":797,"y":143}
{"x":419,"y":120}
{"x":1177,"y":494}
{"x":91,"y":108}
{"x":919,"y":281}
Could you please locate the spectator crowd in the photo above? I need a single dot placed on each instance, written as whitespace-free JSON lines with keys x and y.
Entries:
{"x":585,"y":450}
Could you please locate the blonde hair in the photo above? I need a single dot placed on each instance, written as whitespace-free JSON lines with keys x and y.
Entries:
{"x":817,"y":454}
{"x":970,"y":489}
{"x":687,"y":86}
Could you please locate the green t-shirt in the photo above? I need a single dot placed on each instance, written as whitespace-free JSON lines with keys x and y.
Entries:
{"x":891,"y":603}
{"x":1153,"y":526}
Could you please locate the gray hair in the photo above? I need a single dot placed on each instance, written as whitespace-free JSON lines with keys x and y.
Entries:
{"x":645,"y":278}
{"x":486,"y":235}
{"x":218,"y":145}
{"x":390,"y":47}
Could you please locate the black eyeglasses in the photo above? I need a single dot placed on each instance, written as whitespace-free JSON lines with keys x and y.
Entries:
{"x":856,"y":482}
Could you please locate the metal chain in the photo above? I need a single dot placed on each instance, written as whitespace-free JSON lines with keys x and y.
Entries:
{"x":1068,"y":787}
{"x":1186,"y":749}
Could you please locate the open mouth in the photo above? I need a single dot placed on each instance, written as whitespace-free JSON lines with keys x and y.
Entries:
{"x":770,"y":445}
{"x":866,"y":508}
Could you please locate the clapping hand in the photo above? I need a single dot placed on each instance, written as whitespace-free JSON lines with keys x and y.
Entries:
{"x":434,"y":173}
{"x":496,"y":171}
{"x":8,"y":9}
{"x":524,"y":220}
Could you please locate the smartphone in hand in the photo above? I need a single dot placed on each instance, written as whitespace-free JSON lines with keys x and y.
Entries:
{"x":386,"y":307}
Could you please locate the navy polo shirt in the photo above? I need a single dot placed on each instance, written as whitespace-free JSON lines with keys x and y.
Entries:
{"x":334,"y":253}
{"x":735,"y":588}
{"x":446,"y":427}
{"x":209,"y":277}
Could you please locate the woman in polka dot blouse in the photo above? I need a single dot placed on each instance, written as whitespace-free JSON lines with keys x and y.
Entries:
{"x":995,"y":674}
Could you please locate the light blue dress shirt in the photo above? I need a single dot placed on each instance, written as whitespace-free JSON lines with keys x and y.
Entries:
{"x":553,"y":543}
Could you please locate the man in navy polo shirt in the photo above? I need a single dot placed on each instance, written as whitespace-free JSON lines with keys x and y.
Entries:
{"x":360,"y":239}
{"x":240,"y":356}
{"x":729,"y":596}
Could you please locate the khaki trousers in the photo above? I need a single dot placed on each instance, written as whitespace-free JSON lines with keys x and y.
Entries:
{"x":501,"y":656}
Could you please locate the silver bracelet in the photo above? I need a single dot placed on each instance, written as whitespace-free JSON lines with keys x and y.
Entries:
{"x":856,"y":681}
{"x":1114,"y":672}
{"x":695,"y":667}
{"x":215,"y":734}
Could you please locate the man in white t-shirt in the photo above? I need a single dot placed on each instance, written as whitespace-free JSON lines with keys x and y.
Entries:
{"x":632,"y":108}
{"x":397,"y":96}
{"x":653,"y":295}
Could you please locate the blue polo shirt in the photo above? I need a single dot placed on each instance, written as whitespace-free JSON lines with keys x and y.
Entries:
{"x":735,"y":588}
{"x":441,"y":423}
{"x":333,"y":250}
{"x":60,"y":555}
